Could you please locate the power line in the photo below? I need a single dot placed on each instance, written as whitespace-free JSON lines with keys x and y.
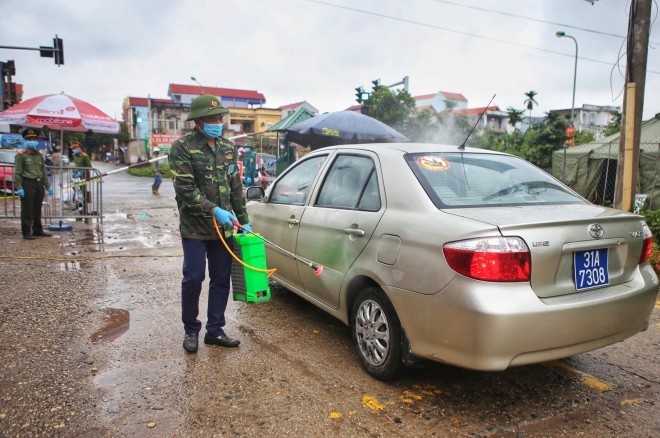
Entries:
{"x":533,"y":19}
{"x":403,"y":20}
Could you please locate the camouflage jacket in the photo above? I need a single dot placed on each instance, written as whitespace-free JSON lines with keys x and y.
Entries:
{"x":204,"y":180}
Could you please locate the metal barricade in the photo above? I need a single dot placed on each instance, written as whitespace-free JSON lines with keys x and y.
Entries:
{"x":77,"y":193}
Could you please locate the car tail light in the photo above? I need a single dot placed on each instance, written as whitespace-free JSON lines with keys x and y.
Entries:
{"x":490,"y":258}
{"x":647,"y":245}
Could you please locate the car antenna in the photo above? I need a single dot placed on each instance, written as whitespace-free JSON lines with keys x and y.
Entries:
{"x":462,"y":146}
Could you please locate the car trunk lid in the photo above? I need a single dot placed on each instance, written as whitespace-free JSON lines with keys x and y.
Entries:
{"x":554,"y":233}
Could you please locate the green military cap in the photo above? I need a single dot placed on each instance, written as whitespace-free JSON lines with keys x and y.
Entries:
{"x":205,"y":105}
{"x":30,"y":132}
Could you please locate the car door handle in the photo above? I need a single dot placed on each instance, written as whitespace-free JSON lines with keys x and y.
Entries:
{"x":292,"y":221}
{"x":354,"y":231}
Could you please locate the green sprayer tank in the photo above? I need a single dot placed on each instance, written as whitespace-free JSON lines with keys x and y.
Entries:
{"x":249,"y":285}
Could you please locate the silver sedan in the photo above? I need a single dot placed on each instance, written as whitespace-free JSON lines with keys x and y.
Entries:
{"x":468,"y":257}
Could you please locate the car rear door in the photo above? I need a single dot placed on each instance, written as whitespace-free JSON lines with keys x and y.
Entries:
{"x":339,"y":222}
{"x":278,"y":219}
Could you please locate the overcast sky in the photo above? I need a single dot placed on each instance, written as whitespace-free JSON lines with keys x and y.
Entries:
{"x":294,"y":50}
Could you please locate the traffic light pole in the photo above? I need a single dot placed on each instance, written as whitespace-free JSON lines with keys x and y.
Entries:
{"x":405,"y":82}
{"x":57,"y":51}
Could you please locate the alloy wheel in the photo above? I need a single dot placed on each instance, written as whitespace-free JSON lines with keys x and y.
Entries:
{"x":373,"y":334}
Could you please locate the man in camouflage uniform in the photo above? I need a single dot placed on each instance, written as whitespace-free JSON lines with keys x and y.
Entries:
{"x":207,"y":185}
{"x":30,"y":179}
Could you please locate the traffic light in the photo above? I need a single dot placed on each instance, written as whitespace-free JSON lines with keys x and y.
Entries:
{"x":359,"y":94}
{"x":137,"y":117}
{"x":376,"y":84}
{"x":365,"y":96}
{"x":58,"y":50}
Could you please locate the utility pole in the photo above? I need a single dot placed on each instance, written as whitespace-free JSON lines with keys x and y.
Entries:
{"x":633,"y":103}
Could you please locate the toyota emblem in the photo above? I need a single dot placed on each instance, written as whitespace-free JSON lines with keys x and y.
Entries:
{"x":596,"y":231}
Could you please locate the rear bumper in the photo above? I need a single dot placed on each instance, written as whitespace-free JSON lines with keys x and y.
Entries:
{"x":492,"y":326}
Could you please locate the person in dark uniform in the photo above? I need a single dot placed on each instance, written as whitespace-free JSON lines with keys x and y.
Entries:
{"x":30,"y":179}
{"x":158,"y":174}
{"x":250,"y":167}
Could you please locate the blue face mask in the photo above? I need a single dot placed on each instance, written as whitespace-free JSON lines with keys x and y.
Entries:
{"x":76,"y":152}
{"x":32,"y":144}
{"x":212,"y":130}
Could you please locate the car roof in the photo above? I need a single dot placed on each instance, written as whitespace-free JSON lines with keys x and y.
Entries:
{"x":411,"y":148}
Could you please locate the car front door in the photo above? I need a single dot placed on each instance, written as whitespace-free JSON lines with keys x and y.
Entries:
{"x":279,"y":218}
{"x":339,"y":223}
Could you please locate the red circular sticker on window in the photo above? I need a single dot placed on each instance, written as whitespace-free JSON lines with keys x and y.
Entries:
{"x":433,"y":163}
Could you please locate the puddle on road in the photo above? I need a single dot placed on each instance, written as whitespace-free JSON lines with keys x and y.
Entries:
{"x":117,"y":322}
{"x":69,"y":266}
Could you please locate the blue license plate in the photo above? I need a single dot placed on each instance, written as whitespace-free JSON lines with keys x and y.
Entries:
{"x":591,"y":268}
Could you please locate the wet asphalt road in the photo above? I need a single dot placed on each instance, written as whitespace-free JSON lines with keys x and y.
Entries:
{"x":94,"y":349}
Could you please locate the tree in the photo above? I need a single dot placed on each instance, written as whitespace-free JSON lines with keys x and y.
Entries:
{"x":549,"y":136}
{"x":585,"y":136}
{"x":515,"y":117}
{"x":530,"y":102}
{"x":614,"y":126}
{"x":392,"y":108}
{"x":450,"y":105}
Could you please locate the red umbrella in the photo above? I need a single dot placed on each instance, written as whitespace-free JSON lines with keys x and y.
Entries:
{"x":61,"y":112}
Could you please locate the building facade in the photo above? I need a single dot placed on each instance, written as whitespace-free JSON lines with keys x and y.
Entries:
{"x":153,"y":122}
{"x":438,"y":100}
{"x":592,"y":118}
{"x":291,"y":108}
{"x":493,"y":118}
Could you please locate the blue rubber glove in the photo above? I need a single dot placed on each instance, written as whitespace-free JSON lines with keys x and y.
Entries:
{"x":245,"y":229}
{"x":224,"y":217}
{"x":20,"y":193}
{"x":50,"y":192}
{"x":272,"y":163}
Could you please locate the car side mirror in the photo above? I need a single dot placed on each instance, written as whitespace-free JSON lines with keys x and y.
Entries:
{"x":255,"y":193}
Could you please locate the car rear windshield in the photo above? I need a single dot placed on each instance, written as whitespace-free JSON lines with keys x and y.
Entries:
{"x":7,"y":157}
{"x":464,"y":179}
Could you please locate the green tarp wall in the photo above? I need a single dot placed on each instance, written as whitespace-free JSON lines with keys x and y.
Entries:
{"x":586,"y":164}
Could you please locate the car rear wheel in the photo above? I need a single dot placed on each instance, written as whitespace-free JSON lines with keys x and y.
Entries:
{"x":377,"y":334}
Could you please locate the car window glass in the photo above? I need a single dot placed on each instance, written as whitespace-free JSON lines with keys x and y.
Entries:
{"x":294,"y":186}
{"x":346,"y":181}
{"x":471,"y":180}
{"x":371,"y":197}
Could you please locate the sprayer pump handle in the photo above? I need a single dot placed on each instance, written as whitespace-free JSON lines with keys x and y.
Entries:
{"x":236,"y":224}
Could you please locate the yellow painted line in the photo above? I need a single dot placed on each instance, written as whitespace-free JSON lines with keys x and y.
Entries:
{"x":586,"y":379}
{"x":657,"y":304}
{"x":334,"y":415}
{"x":633,"y":402}
{"x":372,"y":403}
